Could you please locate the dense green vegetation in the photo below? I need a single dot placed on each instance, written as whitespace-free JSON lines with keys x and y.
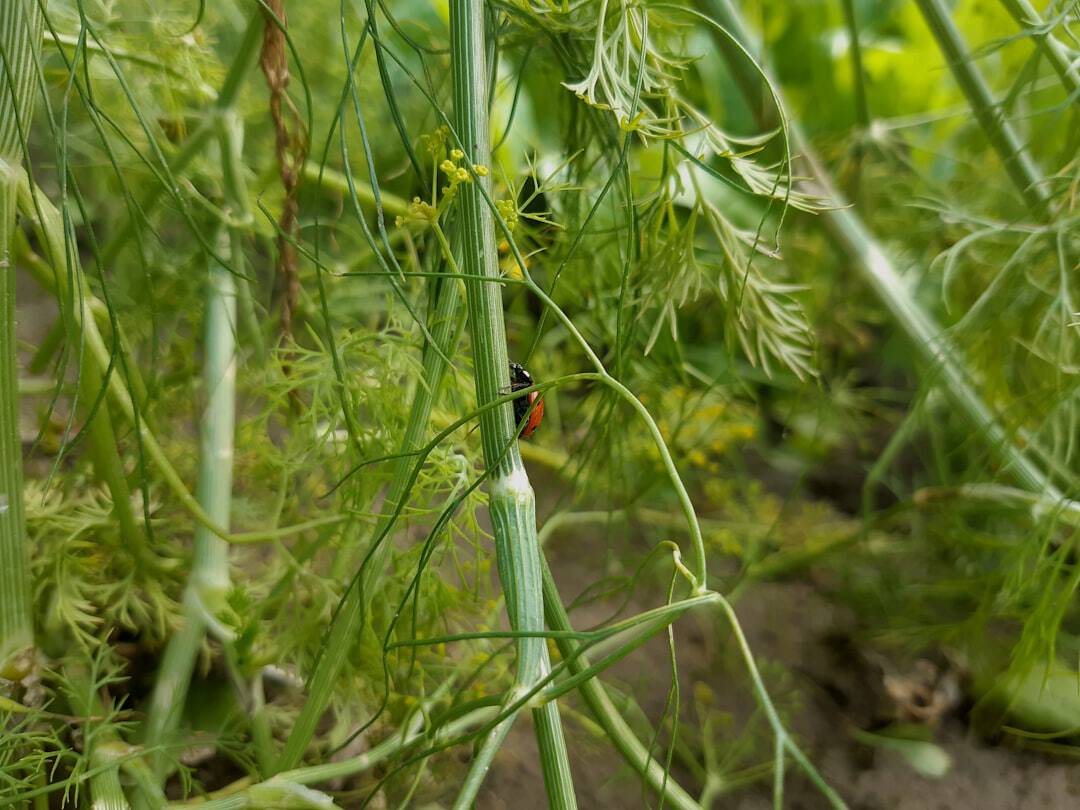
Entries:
{"x":796,"y":283}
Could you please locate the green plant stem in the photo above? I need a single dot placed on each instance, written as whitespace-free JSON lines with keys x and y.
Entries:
{"x":1019,"y":165}
{"x":107,"y":463}
{"x":208,"y":583}
{"x":104,"y":746}
{"x":34,"y":205}
{"x":394,"y":746}
{"x":862,"y":109}
{"x":101,"y":436}
{"x":1056,"y":53}
{"x":231,"y":136}
{"x":925,"y":335}
{"x":481,"y":764}
{"x":784,"y":741}
{"x":261,"y":733}
{"x":511,"y":500}
{"x":16,"y":624}
{"x":105,"y":788}
{"x":1065,"y":510}
{"x":335,"y":180}
{"x":21,"y":24}
{"x":94,"y":360}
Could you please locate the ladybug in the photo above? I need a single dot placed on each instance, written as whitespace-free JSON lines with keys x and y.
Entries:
{"x":531,"y":404}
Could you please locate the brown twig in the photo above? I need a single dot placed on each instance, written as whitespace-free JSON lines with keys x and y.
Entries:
{"x":290,"y":147}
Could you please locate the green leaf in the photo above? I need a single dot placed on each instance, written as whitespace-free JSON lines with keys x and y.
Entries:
{"x":926,"y":757}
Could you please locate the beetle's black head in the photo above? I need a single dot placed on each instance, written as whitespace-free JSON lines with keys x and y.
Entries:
{"x":519,"y":377}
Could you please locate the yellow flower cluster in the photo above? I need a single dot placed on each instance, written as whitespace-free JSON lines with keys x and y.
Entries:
{"x":435,"y":144}
{"x":706,"y":432}
{"x":419,"y":211}
{"x":508,"y":211}
{"x":456,"y":175}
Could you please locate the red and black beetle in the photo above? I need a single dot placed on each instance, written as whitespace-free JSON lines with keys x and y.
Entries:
{"x":531,"y":404}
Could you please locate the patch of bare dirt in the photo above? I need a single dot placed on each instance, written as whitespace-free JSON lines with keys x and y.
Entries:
{"x":831,"y":687}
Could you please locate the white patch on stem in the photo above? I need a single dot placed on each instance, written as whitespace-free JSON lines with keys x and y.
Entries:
{"x":514,"y":486}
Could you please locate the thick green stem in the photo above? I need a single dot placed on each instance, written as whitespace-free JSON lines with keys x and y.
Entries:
{"x":16,"y":624}
{"x":20,"y":38}
{"x":925,"y":335}
{"x":94,"y":360}
{"x":1019,"y":165}
{"x":106,"y":750}
{"x":21,"y":24}
{"x":208,"y":583}
{"x":105,"y":787}
{"x":107,"y":463}
{"x":1056,"y":53}
{"x":209,"y":578}
{"x":512,"y":503}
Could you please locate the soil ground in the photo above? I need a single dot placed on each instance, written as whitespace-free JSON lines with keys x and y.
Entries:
{"x":790,"y":624}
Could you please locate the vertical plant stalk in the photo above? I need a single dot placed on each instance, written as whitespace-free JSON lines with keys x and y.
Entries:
{"x":925,"y":335}
{"x":1019,"y":165}
{"x":208,"y":582}
{"x":21,"y":24}
{"x":106,"y":458}
{"x":77,"y":317}
{"x":511,"y":501}
{"x":858,"y":77}
{"x":105,"y":787}
{"x":104,"y":747}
